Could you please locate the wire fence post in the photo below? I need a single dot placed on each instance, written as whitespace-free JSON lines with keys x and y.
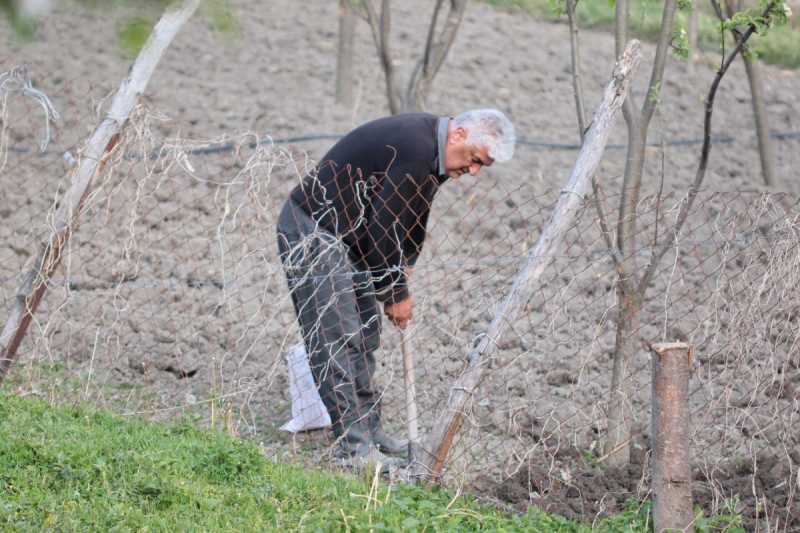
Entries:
{"x":93,"y":160}
{"x":672,"y":477}
{"x":436,"y":445}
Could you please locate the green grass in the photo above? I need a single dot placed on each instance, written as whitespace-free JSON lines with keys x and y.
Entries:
{"x":781,"y":46}
{"x":75,"y":469}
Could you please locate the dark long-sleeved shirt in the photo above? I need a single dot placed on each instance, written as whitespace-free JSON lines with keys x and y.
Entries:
{"x":374,"y":189}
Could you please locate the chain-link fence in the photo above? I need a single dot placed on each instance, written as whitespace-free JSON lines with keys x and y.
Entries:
{"x":171,"y":299}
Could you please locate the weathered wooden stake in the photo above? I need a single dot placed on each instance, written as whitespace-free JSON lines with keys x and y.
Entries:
{"x":93,"y":160}
{"x":672,"y":477}
{"x":437,"y":443}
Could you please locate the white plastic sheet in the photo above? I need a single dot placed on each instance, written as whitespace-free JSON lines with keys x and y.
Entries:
{"x":308,"y":411}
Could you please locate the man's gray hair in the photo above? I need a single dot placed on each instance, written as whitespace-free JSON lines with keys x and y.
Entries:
{"x":489,"y":128}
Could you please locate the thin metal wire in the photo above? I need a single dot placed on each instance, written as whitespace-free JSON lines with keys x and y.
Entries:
{"x":419,"y":266}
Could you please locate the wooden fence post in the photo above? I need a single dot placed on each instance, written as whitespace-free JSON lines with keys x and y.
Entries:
{"x":437,"y":443}
{"x":672,"y":477}
{"x":92,"y":161}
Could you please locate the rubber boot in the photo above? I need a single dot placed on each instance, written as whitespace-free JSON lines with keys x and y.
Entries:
{"x":387,"y":444}
{"x":357,"y":457}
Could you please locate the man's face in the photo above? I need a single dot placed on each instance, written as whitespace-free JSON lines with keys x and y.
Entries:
{"x":461,"y":158}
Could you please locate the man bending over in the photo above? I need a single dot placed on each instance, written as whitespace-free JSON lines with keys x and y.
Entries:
{"x":349,"y":235}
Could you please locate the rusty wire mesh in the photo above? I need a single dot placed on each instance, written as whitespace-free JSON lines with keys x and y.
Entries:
{"x":171,"y":299}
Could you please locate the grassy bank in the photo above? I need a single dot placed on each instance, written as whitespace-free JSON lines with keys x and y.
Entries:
{"x":780,"y":47}
{"x":74,"y":469}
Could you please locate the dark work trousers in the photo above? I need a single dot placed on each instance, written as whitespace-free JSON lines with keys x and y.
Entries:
{"x":338,"y":315}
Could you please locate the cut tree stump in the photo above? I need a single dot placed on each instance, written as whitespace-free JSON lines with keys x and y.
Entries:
{"x":672,"y":476}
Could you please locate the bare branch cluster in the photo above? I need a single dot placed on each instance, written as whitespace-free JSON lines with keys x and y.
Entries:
{"x":412,"y":97}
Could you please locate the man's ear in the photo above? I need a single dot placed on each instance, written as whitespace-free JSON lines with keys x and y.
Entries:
{"x":459,"y":134}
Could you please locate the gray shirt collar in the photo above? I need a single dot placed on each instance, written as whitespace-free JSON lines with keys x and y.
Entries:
{"x":441,"y":137}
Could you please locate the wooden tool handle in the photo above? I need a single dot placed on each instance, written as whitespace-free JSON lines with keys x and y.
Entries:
{"x":411,"y":398}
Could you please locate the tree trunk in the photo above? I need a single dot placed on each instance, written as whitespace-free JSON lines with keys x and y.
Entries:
{"x":630,"y":289}
{"x":631,"y":286}
{"x":434,"y":447}
{"x":765,"y":148}
{"x":617,"y":445}
{"x":344,"y":65}
{"x":630,"y":298}
{"x":416,"y":94}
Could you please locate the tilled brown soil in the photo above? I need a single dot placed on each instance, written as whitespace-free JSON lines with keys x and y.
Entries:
{"x":576,"y":487}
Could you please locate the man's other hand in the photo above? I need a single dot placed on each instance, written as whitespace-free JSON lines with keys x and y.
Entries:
{"x":400,"y":313}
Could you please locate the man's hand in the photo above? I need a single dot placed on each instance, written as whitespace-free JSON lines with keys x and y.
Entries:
{"x":400,"y":313}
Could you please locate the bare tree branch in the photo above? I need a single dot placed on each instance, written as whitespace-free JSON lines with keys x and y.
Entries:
{"x":428,"y":66}
{"x":692,"y":30}
{"x":622,"y":34}
{"x":435,"y":56}
{"x":577,"y":86}
{"x":660,"y":61}
{"x":447,"y":36}
{"x":426,"y":58}
{"x":421,"y":67}
{"x":603,"y":218}
{"x":580,"y":107}
{"x":717,"y":9}
{"x":704,"y":153}
{"x":381,"y":27}
{"x":637,"y":135}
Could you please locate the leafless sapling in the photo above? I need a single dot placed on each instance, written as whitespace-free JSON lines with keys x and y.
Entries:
{"x":437,"y":45}
{"x":632,"y":280}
